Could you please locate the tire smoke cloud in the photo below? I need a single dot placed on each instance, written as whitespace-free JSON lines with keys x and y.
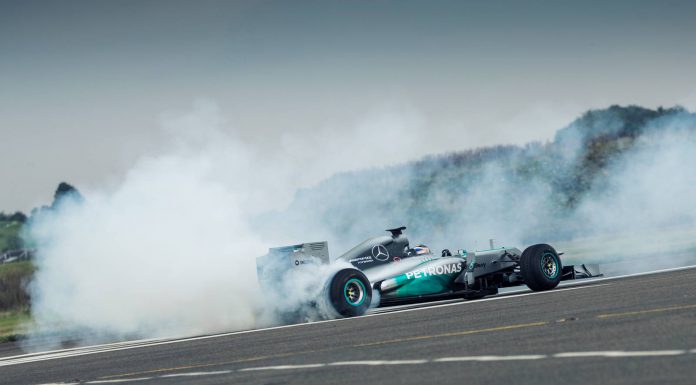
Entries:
{"x":170,"y":250}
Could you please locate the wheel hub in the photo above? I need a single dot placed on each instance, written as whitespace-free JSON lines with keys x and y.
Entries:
{"x":354,"y":292}
{"x":549,"y":265}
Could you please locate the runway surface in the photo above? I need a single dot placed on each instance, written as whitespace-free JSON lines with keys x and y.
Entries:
{"x":633,"y":330}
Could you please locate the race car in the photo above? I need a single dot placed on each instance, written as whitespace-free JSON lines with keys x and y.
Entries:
{"x":387,"y":268}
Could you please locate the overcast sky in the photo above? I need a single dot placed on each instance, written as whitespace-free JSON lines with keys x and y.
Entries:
{"x":84,"y":84}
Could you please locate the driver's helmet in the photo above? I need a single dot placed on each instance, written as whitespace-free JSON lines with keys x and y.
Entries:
{"x":421,"y":249}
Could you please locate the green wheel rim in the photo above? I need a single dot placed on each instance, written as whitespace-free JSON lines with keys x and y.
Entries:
{"x":550,"y":265}
{"x":354,"y":292}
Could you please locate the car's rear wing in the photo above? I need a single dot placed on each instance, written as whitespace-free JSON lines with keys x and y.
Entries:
{"x":281,"y":260}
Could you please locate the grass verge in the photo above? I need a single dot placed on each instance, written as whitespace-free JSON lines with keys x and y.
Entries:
{"x":13,"y":324}
{"x":14,"y":299}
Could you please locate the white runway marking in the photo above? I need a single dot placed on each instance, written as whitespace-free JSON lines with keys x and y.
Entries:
{"x":375,"y":363}
{"x":492,"y":358}
{"x":84,"y":348}
{"x":614,"y":354}
{"x":617,"y":354}
{"x":194,"y":374}
{"x":119,"y":381}
{"x":62,"y":383}
{"x":283,"y":367}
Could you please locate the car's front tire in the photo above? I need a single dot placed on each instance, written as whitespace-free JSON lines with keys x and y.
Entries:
{"x":350,"y":293}
{"x":541,"y":267}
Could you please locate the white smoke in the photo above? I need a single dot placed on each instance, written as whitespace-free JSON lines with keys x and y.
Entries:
{"x":644,"y":217}
{"x":168,"y":252}
{"x":170,"y":249}
{"x":652,"y":186}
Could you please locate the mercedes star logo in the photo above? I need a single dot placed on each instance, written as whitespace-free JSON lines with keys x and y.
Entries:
{"x":380,"y":252}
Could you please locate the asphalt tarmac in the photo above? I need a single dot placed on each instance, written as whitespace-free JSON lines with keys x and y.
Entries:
{"x":632,"y":330}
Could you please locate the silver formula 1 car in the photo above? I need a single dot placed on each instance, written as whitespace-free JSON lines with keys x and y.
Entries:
{"x":402,"y":274}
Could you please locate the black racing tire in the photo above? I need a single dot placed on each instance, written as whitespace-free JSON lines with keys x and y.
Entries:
{"x":541,"y":267}
{"x":350,"y":293}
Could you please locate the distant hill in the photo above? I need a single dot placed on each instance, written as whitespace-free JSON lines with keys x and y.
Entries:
{"x":537,"y":186}
{"x":11,"y":225}
{"x":10,"y":235}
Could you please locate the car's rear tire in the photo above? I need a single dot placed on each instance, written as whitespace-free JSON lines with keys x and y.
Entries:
{"x":350,"y":293}
{"x":540,"y":267}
